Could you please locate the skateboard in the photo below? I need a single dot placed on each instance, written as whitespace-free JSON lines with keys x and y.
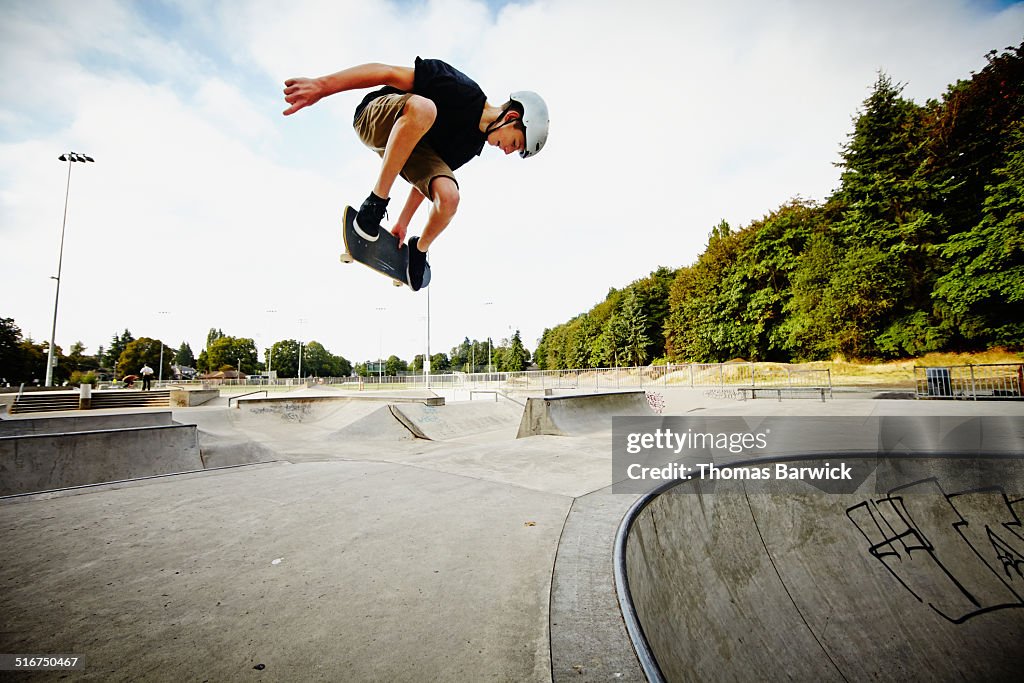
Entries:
{"x":384,"y":256}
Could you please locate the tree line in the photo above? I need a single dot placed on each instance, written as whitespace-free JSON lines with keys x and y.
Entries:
{"x":919,"y":249}
{"x":22,"y":360}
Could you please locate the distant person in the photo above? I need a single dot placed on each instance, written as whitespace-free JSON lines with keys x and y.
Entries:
{"x":427,"y":121}
{"x":147,"y":377}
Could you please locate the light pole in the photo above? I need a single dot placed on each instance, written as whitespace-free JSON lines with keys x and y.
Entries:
{"x":380,"y":347}
{"x":426,"y":357}
{"x":301,"y":320}
{"x":70,"y":157}
{"x":160,"y":376}
{"x":270,"y":351}
{"x":488,"y":303}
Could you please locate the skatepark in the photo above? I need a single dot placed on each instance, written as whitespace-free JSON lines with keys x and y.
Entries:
{"x":421,"y":535}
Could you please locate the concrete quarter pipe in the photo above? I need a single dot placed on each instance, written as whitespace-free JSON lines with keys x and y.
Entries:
{"x":581,"y":414}
{"x":913,"y":584}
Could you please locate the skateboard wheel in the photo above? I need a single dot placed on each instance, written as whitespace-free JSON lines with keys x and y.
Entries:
{"x":346,"y":257}
{"x":397,"y":283}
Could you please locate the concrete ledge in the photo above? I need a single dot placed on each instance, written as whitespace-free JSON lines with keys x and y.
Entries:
{"x":43,"y":462}
{"x":186,"y":398}
{"x":23,"y":426}
{"x":300,"y":400}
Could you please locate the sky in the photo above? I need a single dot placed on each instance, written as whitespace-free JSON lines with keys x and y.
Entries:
{"x":206,"y":208}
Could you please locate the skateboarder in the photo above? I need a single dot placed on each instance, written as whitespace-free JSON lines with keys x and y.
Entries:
{"x":147,"y":377}
{"x":426,"y":122}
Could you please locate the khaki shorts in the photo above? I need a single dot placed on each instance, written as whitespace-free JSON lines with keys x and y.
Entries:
{"x":374,"y":127}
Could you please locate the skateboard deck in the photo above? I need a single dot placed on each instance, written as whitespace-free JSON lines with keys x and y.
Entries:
{"x":383,"y":255}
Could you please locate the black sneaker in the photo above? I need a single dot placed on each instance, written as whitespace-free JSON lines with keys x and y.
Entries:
{"x":371,"y":213}
{"x":417,"y":264}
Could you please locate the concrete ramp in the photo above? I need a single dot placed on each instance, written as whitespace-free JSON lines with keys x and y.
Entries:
{"x":467,"y":421}
{"x":383,"y":418}
{"x":916,"y":583}
{"x":47,"y":461}
{"x":580,"y":415}
{"x":380,"y":425}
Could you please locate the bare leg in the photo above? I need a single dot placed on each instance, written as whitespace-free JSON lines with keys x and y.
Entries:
{"x":442,"y":210}
{"x":417,"y":118}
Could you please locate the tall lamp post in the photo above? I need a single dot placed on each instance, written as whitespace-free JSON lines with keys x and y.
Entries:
{"x":70,"y":157}
{"x":426,"y":357}
{"x":160,"y":376}
{"x":301,"y":320}
{"x":380,"y":346}
{"x":270,"y":351}
{"x":488,"y":303}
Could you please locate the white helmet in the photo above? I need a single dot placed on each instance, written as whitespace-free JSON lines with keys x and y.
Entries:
{"x":535,"y":120}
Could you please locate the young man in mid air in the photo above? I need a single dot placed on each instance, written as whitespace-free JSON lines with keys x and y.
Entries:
{"x":426,"y":122}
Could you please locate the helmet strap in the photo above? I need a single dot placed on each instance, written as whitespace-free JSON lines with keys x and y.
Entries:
{"x":495,"y":125}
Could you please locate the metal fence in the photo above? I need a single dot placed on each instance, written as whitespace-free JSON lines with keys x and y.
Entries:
{"x":971,"y":382}
{"x":703,"y":375}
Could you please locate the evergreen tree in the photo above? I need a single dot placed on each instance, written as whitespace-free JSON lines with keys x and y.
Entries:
{"x":633,"y":323}
{"x":184,"y":357}
{"x":515,"y":357}
{"x":968,"y":132}
{"x":886,"y":199}
{"x":117,"y":346}
{"x":983,"y":293}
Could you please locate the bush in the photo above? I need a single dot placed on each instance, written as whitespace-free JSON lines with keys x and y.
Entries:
{"x":79,"y":378}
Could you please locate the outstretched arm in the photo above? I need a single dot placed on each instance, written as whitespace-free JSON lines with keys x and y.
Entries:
{"x":304,"y":92}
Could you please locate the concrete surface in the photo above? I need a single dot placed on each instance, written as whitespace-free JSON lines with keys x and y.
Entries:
{"x":920,"y":585}
{"x":386,"y":541}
